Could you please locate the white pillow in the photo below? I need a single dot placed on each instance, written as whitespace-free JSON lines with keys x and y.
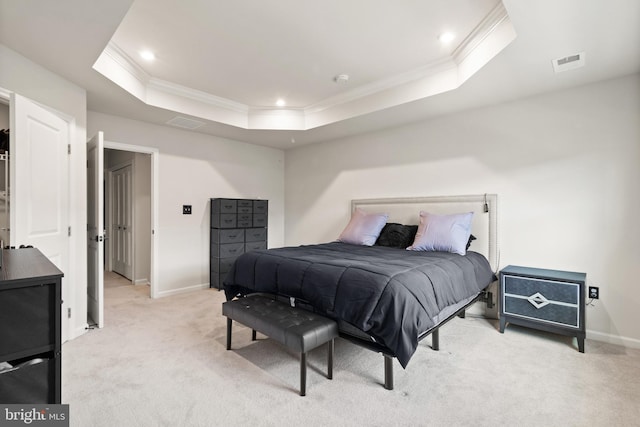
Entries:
{"x":363,"y":228}
{"x":445,"y":233}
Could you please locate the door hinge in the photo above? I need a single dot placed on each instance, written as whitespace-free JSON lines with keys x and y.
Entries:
{"x":68,"y":148}
{"x":69,"y":231}
{"x":69,"y":313}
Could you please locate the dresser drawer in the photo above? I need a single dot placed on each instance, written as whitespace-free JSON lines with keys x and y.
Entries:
{"x":255,"y":234}
{"x":221,"y":265}
{"x":27,"y":319}
{"x":245,"y":217}
{"x":255,"y":246}
{"x":224,"y":221}
{"x":224,"y":235}
{"x":260,"y":220}
{"x":32,"y":380}
{"x":227,"y":250}
{"x":245,"y":208}
{"x":223,"y":206}
{"x":260,"y":206}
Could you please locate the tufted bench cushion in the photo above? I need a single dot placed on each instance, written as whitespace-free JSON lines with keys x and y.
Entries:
{"x":297,"y":329}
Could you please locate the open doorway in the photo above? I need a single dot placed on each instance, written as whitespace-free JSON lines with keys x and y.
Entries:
{"x":127,"y":217}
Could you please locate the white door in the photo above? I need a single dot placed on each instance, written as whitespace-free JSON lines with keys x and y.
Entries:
{"x":95,"y":229}
{"x":39,"y":176}
{"x":121,"y":227}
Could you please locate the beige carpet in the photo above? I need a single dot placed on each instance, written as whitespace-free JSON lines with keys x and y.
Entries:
{"x":164,"y":363}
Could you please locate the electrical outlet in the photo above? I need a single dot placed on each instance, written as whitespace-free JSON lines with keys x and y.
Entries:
{"x":594,"y":292}
{"x":186,"y":209}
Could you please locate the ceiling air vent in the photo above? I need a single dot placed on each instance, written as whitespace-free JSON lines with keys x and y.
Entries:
{"x":185,"y":123}
{"x":568,"y":62}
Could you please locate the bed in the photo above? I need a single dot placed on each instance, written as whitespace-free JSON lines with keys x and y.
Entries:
{"x":383,"y":297}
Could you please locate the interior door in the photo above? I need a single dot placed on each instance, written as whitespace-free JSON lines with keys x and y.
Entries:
{"x":39,"y":179}
{"x":95,"y":229}
{"x":122,"y":232}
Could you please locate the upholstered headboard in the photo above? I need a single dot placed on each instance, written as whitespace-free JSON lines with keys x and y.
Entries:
{"x":407,"y":210}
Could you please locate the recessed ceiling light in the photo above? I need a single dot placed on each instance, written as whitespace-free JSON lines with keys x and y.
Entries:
{"x":147,"y":55}
{"x":446,"y":37}
{"x":281,"y":102}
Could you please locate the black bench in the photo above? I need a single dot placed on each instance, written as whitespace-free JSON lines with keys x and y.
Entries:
{"x":298,"y":329}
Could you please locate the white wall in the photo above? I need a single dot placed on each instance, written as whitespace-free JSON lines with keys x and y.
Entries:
{"x":565,"y":166}
{"x":194,"y":168}
{"x":20,"y":75}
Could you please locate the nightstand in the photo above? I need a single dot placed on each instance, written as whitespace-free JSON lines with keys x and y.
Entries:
{"x":549,"y":300}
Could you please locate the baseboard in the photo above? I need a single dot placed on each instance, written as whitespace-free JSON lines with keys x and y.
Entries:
{"x":162,"y":294}
{"x":613,"y":339}
{"x":79,"y":331}
{"x":138,"y":282}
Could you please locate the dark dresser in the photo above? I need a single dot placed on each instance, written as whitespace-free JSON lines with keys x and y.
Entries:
{"x":549,"y":300}
{"x":237,"y":226}
{"x":30,"y":328}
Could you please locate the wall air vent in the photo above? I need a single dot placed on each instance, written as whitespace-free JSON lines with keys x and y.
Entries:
{"x":568,"y":62}
{"x":185,"y":123}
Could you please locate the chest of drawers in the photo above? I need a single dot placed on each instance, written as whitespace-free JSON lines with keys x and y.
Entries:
{"x":549,"y":300}
{"x":30,"y":328}
{"x":237,"y":226}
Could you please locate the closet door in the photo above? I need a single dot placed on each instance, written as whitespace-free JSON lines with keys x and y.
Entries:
{"x":39,"y":167}
{"x":122,"y":222}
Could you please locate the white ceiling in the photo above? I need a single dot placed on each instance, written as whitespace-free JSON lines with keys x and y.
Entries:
{"x":225,"y":63}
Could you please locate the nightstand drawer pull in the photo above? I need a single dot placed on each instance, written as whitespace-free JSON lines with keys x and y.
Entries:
{"x":538,"y":300}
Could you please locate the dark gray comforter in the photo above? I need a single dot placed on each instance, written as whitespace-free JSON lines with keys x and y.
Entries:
{"x":391,"y":294}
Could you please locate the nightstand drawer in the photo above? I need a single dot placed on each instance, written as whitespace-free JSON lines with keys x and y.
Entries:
{"x":550,"y":289}
{"x":551,"y":312}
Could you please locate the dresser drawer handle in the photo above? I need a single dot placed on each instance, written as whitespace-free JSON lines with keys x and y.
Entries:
{"x":538,"y":300}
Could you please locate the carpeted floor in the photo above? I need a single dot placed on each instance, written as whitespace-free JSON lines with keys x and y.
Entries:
{"x":163,"y":363}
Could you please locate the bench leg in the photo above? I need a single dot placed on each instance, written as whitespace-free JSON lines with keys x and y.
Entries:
{"x":253,"y":335}
{"x":229,"y":333}
{"x":303,"y":374}
{"x":330,"y":359}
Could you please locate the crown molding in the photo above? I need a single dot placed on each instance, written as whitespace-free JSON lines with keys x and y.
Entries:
{"x":479,"y":34}
{"x":487,"y":39}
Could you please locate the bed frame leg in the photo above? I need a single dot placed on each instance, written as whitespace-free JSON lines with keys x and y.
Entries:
{"x":388,"y":372}
{"x":229,"y":333}
{"x":435,"y":339}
